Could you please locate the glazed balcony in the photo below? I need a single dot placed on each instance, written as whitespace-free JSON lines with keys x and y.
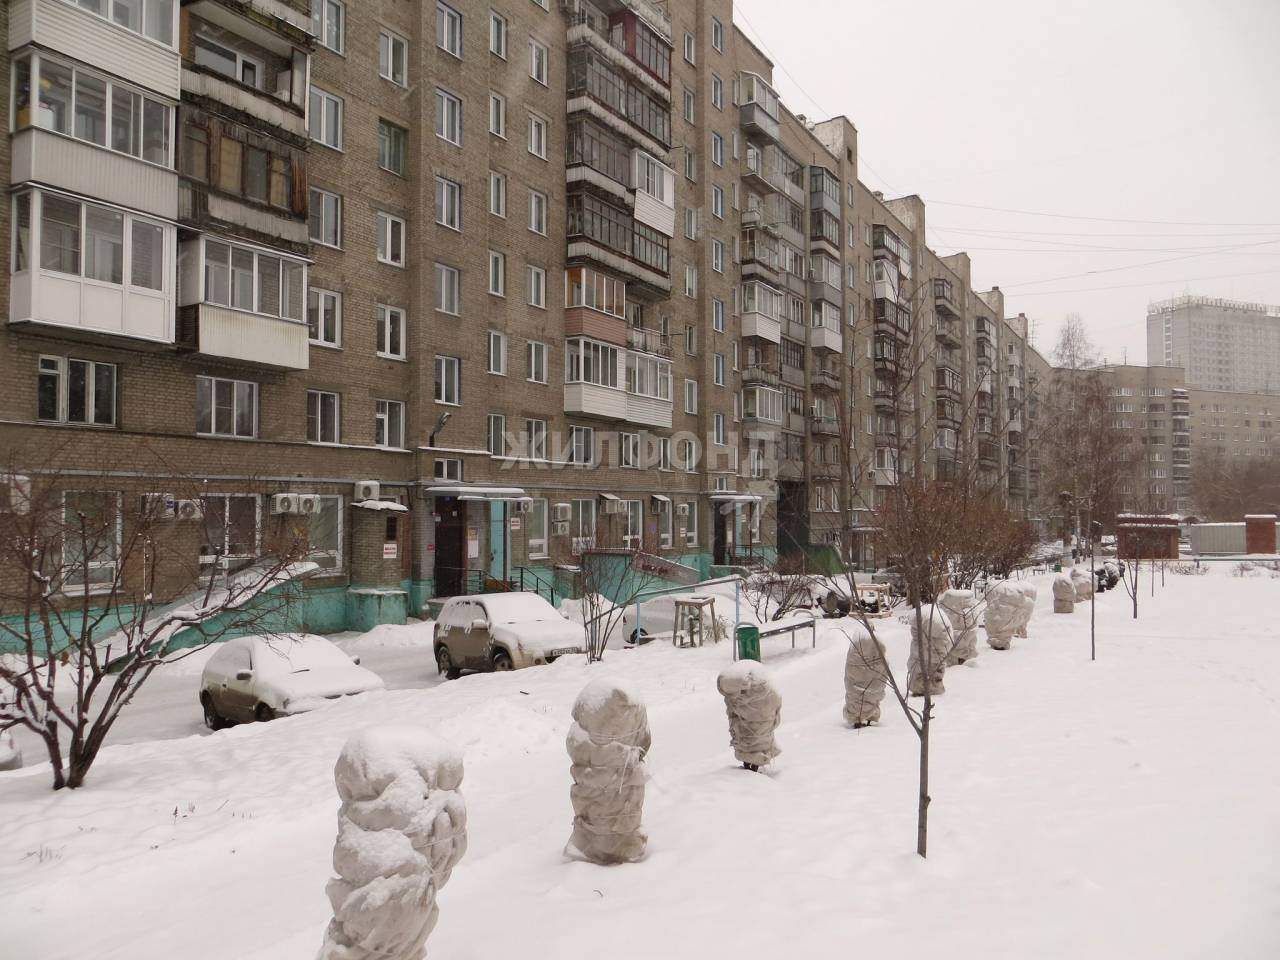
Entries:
{"x":944,"y":302}
{"x":947,"y":382}
{"x":758,"y":112}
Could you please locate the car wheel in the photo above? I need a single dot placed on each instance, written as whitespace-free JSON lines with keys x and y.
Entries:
{"x":212,"y":719}
{"x":263,"y":713}
{"x":638,"y":636}
{"x":444,"y":662}
{"x":502,"y":661}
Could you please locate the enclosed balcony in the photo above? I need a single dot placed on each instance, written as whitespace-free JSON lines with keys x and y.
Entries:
{"x":242,"y":303}
{"x":947,"y":382}
{"x":620,"y":102}
{"x":892,"y":319}
{"x":257,"y":69}
{"x":595,"y":306}
{"x":608,"y":236}
{"x":826,"y":337}
{"x":947,"y":412}
{"x":762,"y":405}
{"x":631,"y":42}
{"x":761,"y":258}
{"x":758,"y":108}
{"x":91,"y":270}
{"x":944,"y":302}
{"x":599,"y":159}
{"x":761,"y":307}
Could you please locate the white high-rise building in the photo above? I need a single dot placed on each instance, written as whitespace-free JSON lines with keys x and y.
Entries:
{"x":1222,"y":344}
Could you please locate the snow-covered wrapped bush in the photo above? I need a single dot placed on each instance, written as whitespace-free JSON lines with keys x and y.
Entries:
{"x":755,"y":710}
{"x":1005,"y":605}
{"x":402,"y":828}
{"x":1064,"y":594}
{"x":10,"y":753}
{"x":961,"y":608}
{"x":607,"y":744}
{"x":864,"y":680}
{"x":1083,"y":584}
{"x":1029,"y":592}
{"x":937,"y":642}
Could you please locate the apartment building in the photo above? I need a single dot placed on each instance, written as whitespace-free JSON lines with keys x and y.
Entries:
{"x":1234,"y":429}
{"x":1221,"y":344}
{"x":553,"y":275}
{"x":1151,"y":404}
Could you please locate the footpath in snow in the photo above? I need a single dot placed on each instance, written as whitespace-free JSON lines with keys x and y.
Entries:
{"x":1125,"y":808}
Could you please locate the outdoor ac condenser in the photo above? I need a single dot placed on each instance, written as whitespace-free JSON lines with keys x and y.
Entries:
{"x":284,"y":503}
{"x":367,"y":490}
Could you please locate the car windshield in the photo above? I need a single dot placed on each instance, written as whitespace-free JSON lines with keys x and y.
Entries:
{"x":280,"y":656}
{"x":518,"y":608}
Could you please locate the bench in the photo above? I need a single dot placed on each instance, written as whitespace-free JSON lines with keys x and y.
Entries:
{"x":786,"y":625}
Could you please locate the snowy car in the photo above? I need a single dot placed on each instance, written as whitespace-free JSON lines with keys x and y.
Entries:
{"x":263,"y":677}
{"x":502,"y":631}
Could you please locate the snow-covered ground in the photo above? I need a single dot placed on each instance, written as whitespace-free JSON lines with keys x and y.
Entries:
{"x":1124,"y":808}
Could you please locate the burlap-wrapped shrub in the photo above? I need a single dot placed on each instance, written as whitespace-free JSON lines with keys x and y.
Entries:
{"x":961,"y":608}
{"x":1028,"y":591}
{"x":864,"y":679}
{"x":1064,"y":594}
{"x":1004,"y":612}
{"x":755,"y":710}
{"x":402,"y":828}
{"x":1083,"y":584}
{"x":607,"y":744}
{"x":937,"y":643}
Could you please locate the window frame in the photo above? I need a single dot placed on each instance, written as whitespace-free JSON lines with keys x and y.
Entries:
{"x":538,"y":212}
{"x":448,"y":374}
{"x":498,"y":369}
{"x":443,"y":270}
{"x":385,"y":223}
{"x":536,"y":354}
{"x":448,"y":106}
{"x":446,"y":17}
{"x":61,"y":370}
{"x":321,"y":116}
{"x":382,"y":421}
{"x":536,"y":47}
{"x":388,"y":145}
{"x":318,"y":419}
{"x":389,"y":41}
{"x":535,"y":280}
{"x":448,"y":203}
{"x":322,"y":295}
{"x":499,"y":181}
{"x":213,"y":431}
{"x":312,"y":193}
{"x":502,"y":34}
{"x":320,"y":20}
{"x":536,"y":120}
{"x":497,"y":115}
{"x":386,"y":318}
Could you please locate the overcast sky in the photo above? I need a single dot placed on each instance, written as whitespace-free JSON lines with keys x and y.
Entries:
{"x":1160,"y":111}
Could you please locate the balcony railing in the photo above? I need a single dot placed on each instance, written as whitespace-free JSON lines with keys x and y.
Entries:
{"x":943,"y":299}
{"x":947,"y":330}
{"x":649,"y":341}
{"x":759,"y":373}
{"x":947,"y":381}
{"x":825,"y":380}
{"x":824,"y":426}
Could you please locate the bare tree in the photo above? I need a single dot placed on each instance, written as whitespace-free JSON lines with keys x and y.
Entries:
{"x":97,"y":588}
{"x":942,"y":510}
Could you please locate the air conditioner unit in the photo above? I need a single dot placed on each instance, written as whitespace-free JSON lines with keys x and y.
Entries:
{"x":615,"y":506}
{"x":562,"y":513}
{"x":15,"y":494}
{"x":682,"y":510}
{"x":524,"y":506}
{"x":308,"y":504}
{"x":367,"y":490}
{"x":188,"y":509}
{"x":158,"y":506}
{"x":561,"y":528}
{"x":284,"y":503}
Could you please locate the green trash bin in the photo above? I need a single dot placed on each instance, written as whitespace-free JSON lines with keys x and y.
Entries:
{"x":748,"y":638}
{"x":1057,"y":568}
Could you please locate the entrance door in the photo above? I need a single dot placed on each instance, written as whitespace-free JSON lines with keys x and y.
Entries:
{"x":451,"y":564}
{"x":720,"y":527}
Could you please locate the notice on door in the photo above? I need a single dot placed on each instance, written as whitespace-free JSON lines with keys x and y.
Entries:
{"x":390,"y":550}
{"x":473,"y":545}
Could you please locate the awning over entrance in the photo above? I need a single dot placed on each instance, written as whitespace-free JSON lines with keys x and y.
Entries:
{"x":465,"y":491}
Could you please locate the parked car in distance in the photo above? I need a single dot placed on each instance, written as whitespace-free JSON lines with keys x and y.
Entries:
{"x":263,"y":677}
{"x":502,"y":631}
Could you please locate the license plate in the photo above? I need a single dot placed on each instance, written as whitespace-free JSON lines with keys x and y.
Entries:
{"x":564,"y":650}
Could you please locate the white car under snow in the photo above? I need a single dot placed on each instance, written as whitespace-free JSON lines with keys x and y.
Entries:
{"x":262,"y":677}
{"x":502,"y":631}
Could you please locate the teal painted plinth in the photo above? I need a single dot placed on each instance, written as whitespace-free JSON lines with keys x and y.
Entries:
{"x":367,"y":609}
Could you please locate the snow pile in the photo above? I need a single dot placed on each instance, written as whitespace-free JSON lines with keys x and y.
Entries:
{"x":402,"y":828}
{"x":961,"y":608}
{"x":415,"y":633}
{"x":938,"y":642}
{"x":1004,"y":612}
{"x":864,"y":679}
{"x":1064,"y":594}
{"x":607,"y":744}
{"x":755,"y":710}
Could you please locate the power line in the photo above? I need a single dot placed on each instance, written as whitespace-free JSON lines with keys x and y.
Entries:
{"x":986,"y":231}
{"x":1148,"y":283}
{"x":1135,"y":266}
{"x":1069,"y":216}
